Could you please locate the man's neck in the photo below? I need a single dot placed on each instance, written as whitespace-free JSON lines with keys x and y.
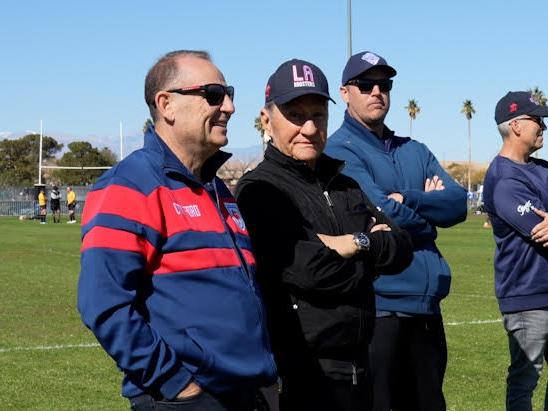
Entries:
{"x":376,"y":128}
{"x":191,"y":158}
{"x":514,"y":153}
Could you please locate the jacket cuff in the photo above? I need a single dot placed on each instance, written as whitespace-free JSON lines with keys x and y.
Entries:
{"x":375,"y":246}
{"x":176,"y":383}
{"x":411,"y":198}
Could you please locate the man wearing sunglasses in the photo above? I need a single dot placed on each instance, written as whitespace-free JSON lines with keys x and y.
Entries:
{"x":408,"y":353}
{"x":167,"y":281}
{"x":516,"y":198}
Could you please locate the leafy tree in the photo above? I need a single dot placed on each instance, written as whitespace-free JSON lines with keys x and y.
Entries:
{"x":538,"y":96}
{"x":83,"y":154}
{"x":412,"y":109}
{"x":148,"y":123}
{"x":265,"y":138}
{"x":19,"y":158}
{"x":459,"y":172}
{"x":468,"y":111}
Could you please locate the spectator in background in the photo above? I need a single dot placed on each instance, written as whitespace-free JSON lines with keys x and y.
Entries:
{"x":516,"y":198}
{"x":402,"y":177}
{"x":71,"y":205}
{"x":55,"y":204}
{"x":42,"y":203}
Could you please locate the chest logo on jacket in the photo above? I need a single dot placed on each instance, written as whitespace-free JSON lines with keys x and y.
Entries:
{"x":234,"y":212}
{"x":525,"y":208}
{"x":190,"y":210}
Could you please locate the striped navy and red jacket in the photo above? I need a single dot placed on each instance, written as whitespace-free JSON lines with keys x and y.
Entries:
{"x":167,"y":281}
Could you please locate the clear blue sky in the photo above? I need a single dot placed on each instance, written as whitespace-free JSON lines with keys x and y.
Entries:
{"x":80,"y":66}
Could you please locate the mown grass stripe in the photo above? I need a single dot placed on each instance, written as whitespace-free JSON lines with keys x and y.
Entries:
{"x":49,"y":347}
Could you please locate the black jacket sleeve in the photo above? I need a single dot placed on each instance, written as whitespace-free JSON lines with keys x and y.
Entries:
{"x":287,"y":250}
{"x":390,"y":252}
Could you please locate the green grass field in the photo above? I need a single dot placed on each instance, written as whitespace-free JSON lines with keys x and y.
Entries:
{"x":45,"y":364}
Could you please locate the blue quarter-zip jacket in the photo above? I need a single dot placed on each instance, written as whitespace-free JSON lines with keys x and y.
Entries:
{"x":404,"y":168}
{"x":167,"y":281}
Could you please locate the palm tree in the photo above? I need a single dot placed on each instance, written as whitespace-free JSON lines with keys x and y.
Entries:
{"x":538,"y":96}
{"x":259,"y":127}
{"x":468,"y":111}
{"x":412,"y":109}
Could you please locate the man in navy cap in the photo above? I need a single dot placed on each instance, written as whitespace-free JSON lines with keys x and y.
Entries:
{"x":408,"y":354}
{"x":319,"y":242}
{"x":516,"y":198}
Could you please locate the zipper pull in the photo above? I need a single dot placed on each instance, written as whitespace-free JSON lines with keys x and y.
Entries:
{"x":329,"y":202}
{"x":354,"y":375}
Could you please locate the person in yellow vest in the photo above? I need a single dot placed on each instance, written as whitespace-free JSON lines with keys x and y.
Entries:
{"x":71,"y":205}
{"x":42,"y":202}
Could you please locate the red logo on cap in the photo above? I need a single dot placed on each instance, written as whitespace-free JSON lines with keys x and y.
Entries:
{"x":513,"y":107}
{"x":267,"y":91}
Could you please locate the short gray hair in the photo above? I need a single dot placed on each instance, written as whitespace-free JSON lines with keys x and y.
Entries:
{"x":504,"y":128}
{"x":163,"y":72}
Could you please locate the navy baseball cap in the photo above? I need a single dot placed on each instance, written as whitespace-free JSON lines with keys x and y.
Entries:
{"x":293,"y":79}
{"x":518,"y":103}
{"x":362,"y":62}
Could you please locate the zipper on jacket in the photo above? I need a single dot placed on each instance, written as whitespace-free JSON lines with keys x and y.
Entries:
{"x":354,"y":375}
{"x":331,"y":206}
{"x":259,"y":308}
{"x":329,"y":202}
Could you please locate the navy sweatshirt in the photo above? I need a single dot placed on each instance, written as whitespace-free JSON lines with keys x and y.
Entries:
{"x":521,"y":266}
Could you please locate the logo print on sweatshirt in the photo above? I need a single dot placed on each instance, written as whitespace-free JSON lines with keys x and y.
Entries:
{"x":234,"y":212}
{"x":190,"y":210}
{"x":371,"y":58}
{"x":306,"y":80}
{"x":525,"y":208}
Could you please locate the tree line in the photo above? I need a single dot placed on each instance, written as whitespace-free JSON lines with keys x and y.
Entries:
{"x":19,"y":161}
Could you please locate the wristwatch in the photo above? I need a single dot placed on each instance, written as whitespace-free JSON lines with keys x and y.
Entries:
{"x":362,"y":241}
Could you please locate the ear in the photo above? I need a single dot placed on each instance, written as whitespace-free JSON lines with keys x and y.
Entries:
{"x":165,"y":105}
{"x":343,"y":91}
{"x":515,"y":127}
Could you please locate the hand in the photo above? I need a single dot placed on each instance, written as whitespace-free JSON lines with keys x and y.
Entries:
{"x":435,"y":184}
{"x":342,"y":244}
{"x":190,"y":390}
{"x":539,"y":233}
{"x":396,"y":197}
{"x":380,"y":227}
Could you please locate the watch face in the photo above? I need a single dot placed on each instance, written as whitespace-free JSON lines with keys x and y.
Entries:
{"x":362,"y":241}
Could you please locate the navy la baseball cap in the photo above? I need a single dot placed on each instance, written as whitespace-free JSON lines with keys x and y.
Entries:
{"x":518,"y":103}
{"x":293,"y":79}
{"x":362,"y":62}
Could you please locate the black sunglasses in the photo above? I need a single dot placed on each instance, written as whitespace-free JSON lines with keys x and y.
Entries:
{"x":213,"y":93}
{"x":366,"y":85}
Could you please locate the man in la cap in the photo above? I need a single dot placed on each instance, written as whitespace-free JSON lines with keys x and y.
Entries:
{"x":516,"y":197}
{"x":318,"y":242}
{"x":408,"y":354}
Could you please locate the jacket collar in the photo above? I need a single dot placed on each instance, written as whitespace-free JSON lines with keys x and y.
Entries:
{"x":367,"y":135}
{"x":326,"y":167}
{"x":170,"y":162}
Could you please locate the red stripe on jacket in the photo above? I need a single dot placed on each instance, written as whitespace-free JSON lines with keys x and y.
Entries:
{"x":103,"y":237}
{"x":200,"y":259}
{"x":167,"y":211}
